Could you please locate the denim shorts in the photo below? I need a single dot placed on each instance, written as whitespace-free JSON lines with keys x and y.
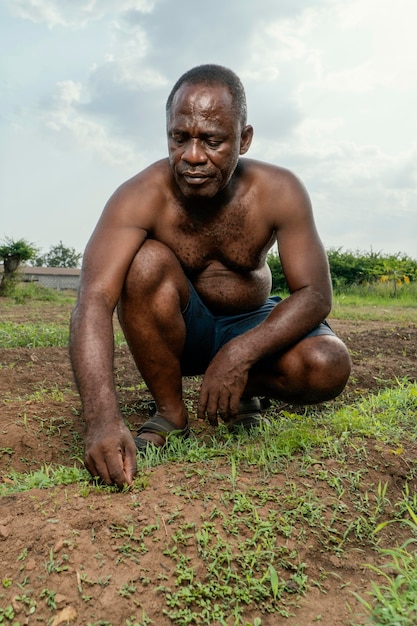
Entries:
{"x":207,"y":333}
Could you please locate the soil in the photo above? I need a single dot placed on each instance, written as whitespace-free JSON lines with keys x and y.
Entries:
{"x":64,"y":539}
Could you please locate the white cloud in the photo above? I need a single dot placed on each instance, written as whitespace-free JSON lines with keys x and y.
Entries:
{"x":66,"y":124}
{"x":72,"y":13}
{"x":331,"y":87}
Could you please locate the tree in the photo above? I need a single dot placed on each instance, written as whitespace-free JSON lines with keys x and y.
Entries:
{"x":59,"y":256}
{"x":13,"y":253}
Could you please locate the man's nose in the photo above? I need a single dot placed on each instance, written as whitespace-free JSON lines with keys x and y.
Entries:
{"x":194,"y":152}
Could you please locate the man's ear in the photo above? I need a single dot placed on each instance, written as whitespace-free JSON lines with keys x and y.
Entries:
{"x":246,"y":139}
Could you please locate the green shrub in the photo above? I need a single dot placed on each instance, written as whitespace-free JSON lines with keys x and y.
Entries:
{"x":358,"y":268}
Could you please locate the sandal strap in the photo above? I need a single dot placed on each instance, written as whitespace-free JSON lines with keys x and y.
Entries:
{"x":163,"y":427}
{"x":249,"y":405}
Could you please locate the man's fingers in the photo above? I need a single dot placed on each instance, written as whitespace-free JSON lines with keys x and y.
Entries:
{"x":118,"y":463}
{"x":97,"y":469}
{"x":90,"y":466}
{"x":129,"y":464}
{"x":207,"y":406}
{"x":202,"y":404}
{"x":118,"y":469}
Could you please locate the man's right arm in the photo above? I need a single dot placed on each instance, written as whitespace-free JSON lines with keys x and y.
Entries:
{"x":110,"y":452}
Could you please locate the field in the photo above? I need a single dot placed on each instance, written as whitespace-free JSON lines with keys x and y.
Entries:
{"x":287,"y":526}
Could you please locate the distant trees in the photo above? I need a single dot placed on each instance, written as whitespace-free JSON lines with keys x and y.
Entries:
{"x":59,"y":256}
{"x":13,"y":253}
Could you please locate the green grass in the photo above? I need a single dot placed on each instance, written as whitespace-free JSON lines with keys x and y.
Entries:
{"x":248,"y":553}
{"x":32,"y":335}
{"x":247,"y":556}
{"x":355,"y":303}
{"x":239,"y":546}
{"x":394,"y":601}
{"x":377,"y":302}
{"x":387,"y":416}
{"x":40,"y":335}
{"x":25,"y":292}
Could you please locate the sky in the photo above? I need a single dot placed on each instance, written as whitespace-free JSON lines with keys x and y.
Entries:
{"x":331,"y":88}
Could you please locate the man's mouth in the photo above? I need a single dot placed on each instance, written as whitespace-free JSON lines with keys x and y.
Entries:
{"x":195,"y":174}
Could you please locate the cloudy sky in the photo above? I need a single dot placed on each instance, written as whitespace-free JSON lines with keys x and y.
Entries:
{"x":331,"y":88}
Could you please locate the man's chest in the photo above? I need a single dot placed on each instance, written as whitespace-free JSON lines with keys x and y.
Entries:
{"x":236,"y":240}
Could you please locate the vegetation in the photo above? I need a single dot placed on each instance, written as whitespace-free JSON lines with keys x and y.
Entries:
{"x":13,"y":253}
{"x":317,"y":479}
{"x":367,"y":270}
{"x":245,"y":551}
{"x":59,"y":256}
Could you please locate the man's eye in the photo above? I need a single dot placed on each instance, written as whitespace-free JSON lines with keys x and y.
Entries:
{"x":212,"y":143}
{"x":179,"y":139}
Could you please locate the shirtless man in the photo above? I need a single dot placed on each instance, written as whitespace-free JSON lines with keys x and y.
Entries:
{"x":180,"y":249}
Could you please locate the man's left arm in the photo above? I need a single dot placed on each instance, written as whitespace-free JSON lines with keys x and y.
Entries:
{"x":306,"y":271}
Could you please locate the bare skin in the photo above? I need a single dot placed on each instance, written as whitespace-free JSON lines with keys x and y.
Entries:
{"x":210,"y":217}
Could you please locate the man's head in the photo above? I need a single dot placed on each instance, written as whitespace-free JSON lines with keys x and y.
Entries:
{"x":211,"y":75}
{"x":207,"y":131}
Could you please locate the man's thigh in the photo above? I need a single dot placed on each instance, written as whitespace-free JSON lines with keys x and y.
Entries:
{"x":206,"y":333}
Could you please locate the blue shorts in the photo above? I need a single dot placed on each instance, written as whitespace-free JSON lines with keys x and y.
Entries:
{"x":207,"y":333}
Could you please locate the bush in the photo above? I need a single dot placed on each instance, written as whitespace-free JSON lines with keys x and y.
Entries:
{"x":348,"y":268}
{"x":357,"y":268}
{"x":278,"y":281}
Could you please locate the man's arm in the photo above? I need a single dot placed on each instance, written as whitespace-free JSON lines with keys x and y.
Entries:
{"x":306,"y":270}
{"x":110,"y":452}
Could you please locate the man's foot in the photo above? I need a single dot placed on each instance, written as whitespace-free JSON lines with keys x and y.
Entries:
{"x":158,"y":425}
{"x":249,"y":415}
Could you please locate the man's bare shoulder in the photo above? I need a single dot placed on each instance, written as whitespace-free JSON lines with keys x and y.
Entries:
{"x":155,"y":177}
{"x":276,"y":174}
{"x":139,"y":200}
{"x":274,"y":184}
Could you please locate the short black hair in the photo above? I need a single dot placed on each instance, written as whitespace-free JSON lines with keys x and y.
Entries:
{"x":211,"y":74}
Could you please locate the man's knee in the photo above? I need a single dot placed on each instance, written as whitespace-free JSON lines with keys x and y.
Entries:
{"x":328,"y":364}
{"x":153,"y":262}
{"x":155,"y":270}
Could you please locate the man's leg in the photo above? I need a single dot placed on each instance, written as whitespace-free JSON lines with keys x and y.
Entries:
{"x":316,"y":369}
{"x":154,"y":294}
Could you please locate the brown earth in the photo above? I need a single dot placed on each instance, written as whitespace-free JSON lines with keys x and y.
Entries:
{"x":72,"y":539}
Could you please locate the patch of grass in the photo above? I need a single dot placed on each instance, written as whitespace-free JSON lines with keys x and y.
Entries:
{"x":46,"y":477}
{"x":244,"y":552}
{"x":394,"y":601}
{"x":388,"y":416}
{"x":375,"y":302}
{"x":236,"y":574}
{"x":23,"y":292}
{"x":32,"y":335}
{"x":391,"y":312}
{"x":40,"y":335}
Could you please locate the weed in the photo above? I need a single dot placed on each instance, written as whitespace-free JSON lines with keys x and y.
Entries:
{"x":53,"y":565}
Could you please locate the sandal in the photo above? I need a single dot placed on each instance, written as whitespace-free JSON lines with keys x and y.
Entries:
{"x":162,"y":427}
{"x":249,"y":415}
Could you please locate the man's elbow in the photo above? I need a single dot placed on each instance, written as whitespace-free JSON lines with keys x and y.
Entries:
{"x":326,"y":305}
{"x":323,"y":299}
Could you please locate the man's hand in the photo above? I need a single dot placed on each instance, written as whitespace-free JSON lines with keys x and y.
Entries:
{"x":110,"y":453}
{"x":223,"y":385}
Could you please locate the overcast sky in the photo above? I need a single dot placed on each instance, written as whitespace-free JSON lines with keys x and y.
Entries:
{"x":331,"y":88}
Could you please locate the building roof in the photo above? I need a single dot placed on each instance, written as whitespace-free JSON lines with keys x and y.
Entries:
{"x":50,"y":271}
{"x":27,"y":270}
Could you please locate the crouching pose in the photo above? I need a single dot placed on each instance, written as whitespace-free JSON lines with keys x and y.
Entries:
{"x":181,"y":250}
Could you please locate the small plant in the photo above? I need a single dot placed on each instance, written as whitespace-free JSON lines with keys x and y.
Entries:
{"x":394,"y":601}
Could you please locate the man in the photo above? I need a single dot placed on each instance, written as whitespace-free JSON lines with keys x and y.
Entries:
{"x":181,"y":249}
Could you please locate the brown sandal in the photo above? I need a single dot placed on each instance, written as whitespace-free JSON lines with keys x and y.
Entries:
{"x":162,"y":427}
{"x":249,"y":415}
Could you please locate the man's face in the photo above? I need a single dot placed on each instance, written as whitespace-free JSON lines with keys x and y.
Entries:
{"x":205,"y":139}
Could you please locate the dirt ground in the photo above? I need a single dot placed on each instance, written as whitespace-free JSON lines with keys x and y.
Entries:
{"x":63,"y":539}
